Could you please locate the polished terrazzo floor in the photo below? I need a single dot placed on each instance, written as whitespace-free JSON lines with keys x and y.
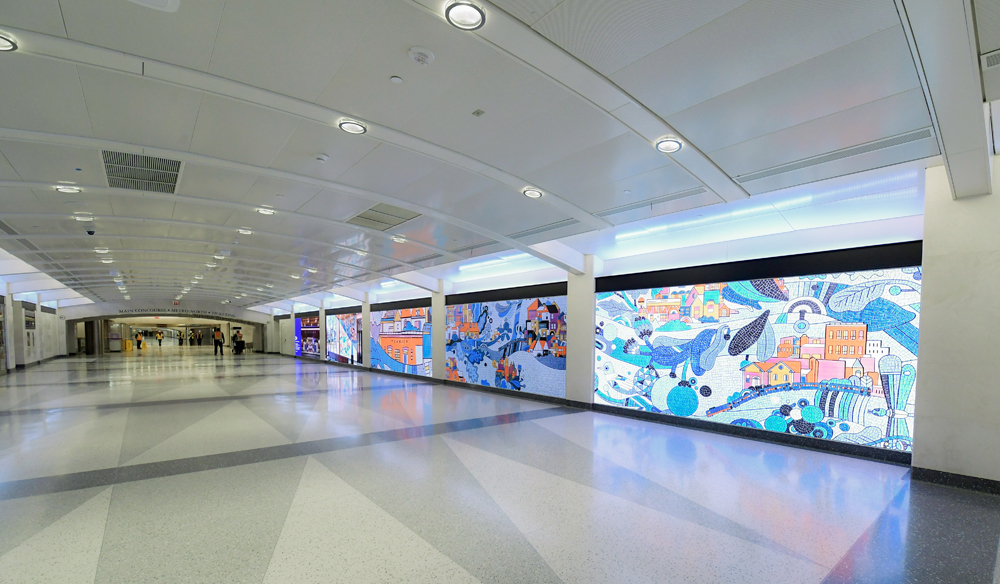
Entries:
{"x":172,"y":465}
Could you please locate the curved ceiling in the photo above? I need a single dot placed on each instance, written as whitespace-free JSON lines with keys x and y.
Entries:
{"x":568,"y":97}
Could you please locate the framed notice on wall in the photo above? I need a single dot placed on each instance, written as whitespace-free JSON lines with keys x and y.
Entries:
{"x":29,"y":320}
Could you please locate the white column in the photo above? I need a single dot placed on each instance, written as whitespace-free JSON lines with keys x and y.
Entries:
{"x":581,"y":304}
{"x":957,"y":409}
{"x":8,"y":323}
{"x":365,"y":333}
{"x":291,"y":317}
{"x":438,"y":330}
{"x":322,"y":331}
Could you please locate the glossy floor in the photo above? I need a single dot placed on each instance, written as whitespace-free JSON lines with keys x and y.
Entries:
{"x":173,"y":465}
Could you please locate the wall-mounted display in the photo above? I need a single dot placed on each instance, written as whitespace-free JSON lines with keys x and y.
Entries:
{"x":829,"y":356}
{"x":510,"y":344}
{"x":401,"y":340}
{"x":29,"y":320}
{"x":307,"y":336}
{"x":343,"y":340}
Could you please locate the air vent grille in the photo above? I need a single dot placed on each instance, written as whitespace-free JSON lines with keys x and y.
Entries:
{"x":651,"y":202}
{"x":382,"y":217}
{"x":838,"y":155}
{"x":543,"y":228}
{"x":141,"y":173}
{"x":992,"y":60}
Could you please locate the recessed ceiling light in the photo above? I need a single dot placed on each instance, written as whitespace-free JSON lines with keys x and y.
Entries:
{"x":532,"y":193}
{"x":465,"y":15}
{"x":396,"y":79}
{"x":294,"y":276}
{"x":107,"y":261}
{"x":127,"y":297}
{"x":265,"y":211}
{"x":219,"y":257}
{"x":312,"y":270}
{"x":198,"y":277}
{"x":244,"y":231}
{"x":398,"y":239}
{"x":361,"y":253}
{"x":68,"y":189}
{"x":669,"y":145}
{"x":269,"y":285}
{"x":194,"y":281}
{"x":260,"y":289}
{"x":243,"y":294}
{"x":7,"y":44}
{"x":352,"y":127}
{"x":101,"y":250}
{"x":84,"y":218}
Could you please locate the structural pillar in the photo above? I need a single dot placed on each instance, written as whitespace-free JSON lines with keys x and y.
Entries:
{"x":581,"y":304}
{"x":322,"y":332}
{"x":8,"y":324}
{"x":364,"y":335}
{"x":438,"y":330}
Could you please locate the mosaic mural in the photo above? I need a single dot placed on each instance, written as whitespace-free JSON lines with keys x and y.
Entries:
{"x":829,"y":356}
{"x":307,"y":336}
{"x":512,"y":344}
{"x":401,"y":340}
{"x":343,"y":340}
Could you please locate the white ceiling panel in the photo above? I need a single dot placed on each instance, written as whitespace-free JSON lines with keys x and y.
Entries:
{"x":215,"y":183}
{"x":890,"y":116}
{"x":870,"y":69}
{"x":7,"y":171}
{"x":41,"y":94}
{"x":39,"y":162}
{"x":501,"y":213}
{"x":388,"y":168}
{"x":142,"y":207}
{"x":756,"y":40}
{"x":334,"y":205}
{"x":443,"y":188}
{"x":648,"y":186}
{"x":182,"y":38}
{"x":43,"y":16}
{"x":135,"y":229}
{"x":237,"y":131}
{"x":567,"y":127}
{"x":612,"y":160}
{"x":292,"y":47}
{"x":137,"y":110}
{"x":53,"y":202}
{"x":362,"y":88}
{"x":504,"y":88}
{"x":527,"y":11}
{"x":19,"y":201}
{"x":201,"y":213}
{"x":610,"y":34}
{"x":285,"y":195}
{"x":311,"y":139}
{"x":427,"y":230}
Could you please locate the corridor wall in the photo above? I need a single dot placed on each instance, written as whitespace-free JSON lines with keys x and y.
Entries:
{"x":400,"y":334}
{"x":819,"y":345}
{"x":343,"y":335}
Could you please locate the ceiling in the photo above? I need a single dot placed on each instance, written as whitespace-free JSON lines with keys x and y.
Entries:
{"x":765,"y":94}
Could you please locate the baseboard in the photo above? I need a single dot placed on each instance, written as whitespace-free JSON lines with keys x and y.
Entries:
{"x":959,"y":481}
{"x":514,"y":393}
{"x":842,"y":448}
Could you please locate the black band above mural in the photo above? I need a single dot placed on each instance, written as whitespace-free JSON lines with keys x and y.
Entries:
{"x":347,"y":310}
{"x":896,"y":255}
{"x":402,"y":304}
{"x":823,"y":347}
{"x":518,"y":293}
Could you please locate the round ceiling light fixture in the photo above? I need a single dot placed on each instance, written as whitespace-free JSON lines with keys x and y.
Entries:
{"x":396,"y":79}
{"x":101,"y":250}
{"x":361,"y":253}
{"x":269,"y":285}
{"x":107,"y":260}
{"x":294,"y":277}
{"x":465,"y":15}
{"x":352,"y":126}
{"x":219,"y":257}
{"x":260,"y":289}
{"x":265,"y":211}
{"x":244,"y":231}
{"x":84,"y":218}
{"x":210,"y":265}
{"x":7,"y":44}
{"x":198,"y":277}
{"x":312,"y":270}
{"x":532,"y":193}
{"x":398,"y":239}
{"x":669,"y":144}
{"x":67,"y":189}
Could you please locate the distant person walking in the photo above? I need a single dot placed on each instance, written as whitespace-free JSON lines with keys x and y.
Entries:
{"x":191,"y":338}
{"x":159,"y":338}
{"x":198,"y":336}
{"x":138,"y":341}
{"x":219,"y":339}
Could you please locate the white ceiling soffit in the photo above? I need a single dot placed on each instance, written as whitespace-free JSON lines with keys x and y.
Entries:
{"x":77,"y":52}
{"x":943,"y":42}
{"x":517,"y":39}
{"x":188,"y":157}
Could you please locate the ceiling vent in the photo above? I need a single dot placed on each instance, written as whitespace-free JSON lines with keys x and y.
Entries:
{"x":141,"y":173}
{"x":543,"y":228}
{"x":382,"y":217}
{"x":889,"y":142}
{"x":990,"y":65}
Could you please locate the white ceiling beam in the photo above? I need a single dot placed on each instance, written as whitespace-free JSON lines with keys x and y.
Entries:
{"x":11,"y":267}
{"x":58,"y":295}
{"x":565,"y":253}
{"x":34,"y":286}
{"x":76,"y":52}
{"x":359,"y":295}
{"x":424,"y":281}
{"x":943,"y":43}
